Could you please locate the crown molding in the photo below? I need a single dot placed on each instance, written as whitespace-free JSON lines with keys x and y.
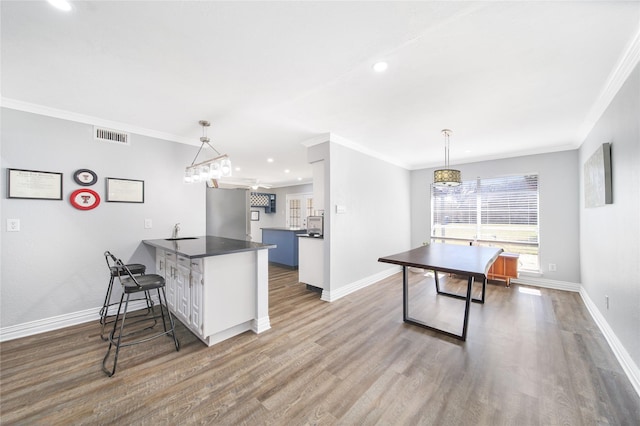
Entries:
{"x":337,"y":139}
{"x":617,"y":78}
{"x":88,"y":119}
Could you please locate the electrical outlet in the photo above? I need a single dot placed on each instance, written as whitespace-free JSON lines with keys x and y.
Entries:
{"x":552,"y":267}
{"x":148,"y":224}
{"x":13,"y":225}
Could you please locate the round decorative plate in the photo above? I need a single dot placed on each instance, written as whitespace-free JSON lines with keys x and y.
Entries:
{"x":84,"y":199}
{"x":85,"y":177}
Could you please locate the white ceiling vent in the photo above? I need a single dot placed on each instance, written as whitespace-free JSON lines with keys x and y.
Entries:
{"x":110,"y":135}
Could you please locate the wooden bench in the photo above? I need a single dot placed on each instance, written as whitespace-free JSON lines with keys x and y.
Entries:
{"x":504,"y":268}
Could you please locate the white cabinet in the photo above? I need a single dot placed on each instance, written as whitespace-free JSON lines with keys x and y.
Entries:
{"x":217,"y":297}
{"x":184,"y":287}
{"x":196,"y":287}
{"x":311,"y":261}
{"x":171,"y":272}
{"x":183,"y":294}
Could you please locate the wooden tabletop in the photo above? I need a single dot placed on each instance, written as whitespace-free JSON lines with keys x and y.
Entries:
{"x":457,"y":259}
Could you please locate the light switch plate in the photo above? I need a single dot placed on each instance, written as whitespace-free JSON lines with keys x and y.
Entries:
{"x":13,"y":225}
{"x":148,"y":224}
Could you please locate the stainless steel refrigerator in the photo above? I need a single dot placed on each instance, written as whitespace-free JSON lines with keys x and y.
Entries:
{"x":228,"y":213}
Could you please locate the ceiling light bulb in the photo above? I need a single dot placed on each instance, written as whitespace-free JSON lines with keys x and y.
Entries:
{"x":269,"y":160}
{"x":380,"y":66}
{"x":60,"y":4}
{"x":287,"y":170}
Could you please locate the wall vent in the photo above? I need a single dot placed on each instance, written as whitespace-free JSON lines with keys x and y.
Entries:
{"x":110,"y":135}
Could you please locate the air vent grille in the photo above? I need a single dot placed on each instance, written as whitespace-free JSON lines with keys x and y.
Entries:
{"x":110,"y":135}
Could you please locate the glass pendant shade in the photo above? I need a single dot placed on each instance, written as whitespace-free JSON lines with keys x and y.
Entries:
{"x":209,"y":170}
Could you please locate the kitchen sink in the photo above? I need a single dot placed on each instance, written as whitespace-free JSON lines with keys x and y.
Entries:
{"x":181,"y":238}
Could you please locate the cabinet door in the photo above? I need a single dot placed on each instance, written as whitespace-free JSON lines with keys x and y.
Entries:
{"x":183,"y":294}
{"x":160,"y":263}
{"x":171,"y":271}
{"x":196,"y":284}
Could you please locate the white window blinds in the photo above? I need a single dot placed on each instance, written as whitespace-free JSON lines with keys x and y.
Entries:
{"x":501,"y":212}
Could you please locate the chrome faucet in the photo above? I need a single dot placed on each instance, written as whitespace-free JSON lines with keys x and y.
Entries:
{"x":176,"y":228}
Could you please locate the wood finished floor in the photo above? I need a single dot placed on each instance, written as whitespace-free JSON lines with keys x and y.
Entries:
{"x":528,"y":360}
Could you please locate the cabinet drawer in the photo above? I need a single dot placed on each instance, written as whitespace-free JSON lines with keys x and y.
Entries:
{"x":170,"y":256}
{"x":184,"y":261}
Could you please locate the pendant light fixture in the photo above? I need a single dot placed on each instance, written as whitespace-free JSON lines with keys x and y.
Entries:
{"x":210,"y":170}
{"x":446,"y":176}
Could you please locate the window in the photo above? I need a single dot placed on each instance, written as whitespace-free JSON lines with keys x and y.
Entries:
{"x":500,"y":212}
{"x":299,"y":206}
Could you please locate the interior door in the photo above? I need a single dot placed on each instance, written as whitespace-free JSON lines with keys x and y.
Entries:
{"x":299,"y":206}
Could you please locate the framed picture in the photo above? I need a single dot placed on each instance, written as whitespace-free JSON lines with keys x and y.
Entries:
{"x":125,"y":190}
{"x":597,"y":178}
{"x":34,"y":184}
{"x":255,"y":215}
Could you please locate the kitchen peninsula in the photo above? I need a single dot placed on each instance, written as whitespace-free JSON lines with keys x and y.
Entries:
{"x":217,"y":287}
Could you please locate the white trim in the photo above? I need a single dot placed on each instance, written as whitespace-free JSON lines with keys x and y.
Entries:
{"x":260,"y":324}
{"x":87,"y":119}
{"x":626,"y":362}
{"x":547,"y":283}
{"x":332,"y":296}
{"x":630,"y":58}
{"x":60,"y":321}
{"x":332,"y":137}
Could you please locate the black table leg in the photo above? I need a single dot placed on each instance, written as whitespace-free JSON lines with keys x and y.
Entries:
{"x":468,"y":299}
{"x":405,"y":294}
{"x":466,"y":308}
{"x":458,"y":296}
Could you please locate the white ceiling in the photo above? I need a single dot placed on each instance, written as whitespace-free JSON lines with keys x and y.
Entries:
{"x":510,"y":78}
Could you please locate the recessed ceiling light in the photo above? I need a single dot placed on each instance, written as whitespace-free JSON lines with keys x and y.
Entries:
{"x":299,"y":178}
{"x":380,"y":66}
{"x":238,"y":169}
{"x":60,"y":4}
{"x":269,"y":160}
{"x":287,"y":170}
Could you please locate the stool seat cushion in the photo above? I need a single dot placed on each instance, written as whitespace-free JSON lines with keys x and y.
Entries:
{"x":135,"y":268}
{"x":147,"y":282}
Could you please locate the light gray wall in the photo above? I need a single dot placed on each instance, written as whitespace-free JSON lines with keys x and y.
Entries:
{"x":610,"y":235}
{"x":55,"y":264}
{"x":279,"y":218}
{"x":376,"y":223}
{"x":558,"y":210}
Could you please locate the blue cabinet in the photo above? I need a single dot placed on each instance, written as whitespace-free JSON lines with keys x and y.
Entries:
{"x":268,"y":201}
{"x":286,"y":252}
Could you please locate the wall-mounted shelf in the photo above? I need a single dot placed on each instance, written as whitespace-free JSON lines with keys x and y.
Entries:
{"x":268,"y":201}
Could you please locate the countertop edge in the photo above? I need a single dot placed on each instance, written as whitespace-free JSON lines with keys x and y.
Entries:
{"x":163,"y":246}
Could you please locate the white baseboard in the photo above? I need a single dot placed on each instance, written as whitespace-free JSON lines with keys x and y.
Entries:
{"x":61,"y":321}
{"x":630,"y":368}
{"x":547,"y":283}
{"x":261,"y":324}
{"x":330,"y":296}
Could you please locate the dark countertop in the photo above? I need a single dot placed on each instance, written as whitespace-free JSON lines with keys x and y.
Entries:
{"x":285,"y":229}
{"x":206,"y":246}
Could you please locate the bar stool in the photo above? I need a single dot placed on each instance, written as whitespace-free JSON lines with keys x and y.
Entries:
{"x":136,"y":269}
{"x":132,"y":284}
